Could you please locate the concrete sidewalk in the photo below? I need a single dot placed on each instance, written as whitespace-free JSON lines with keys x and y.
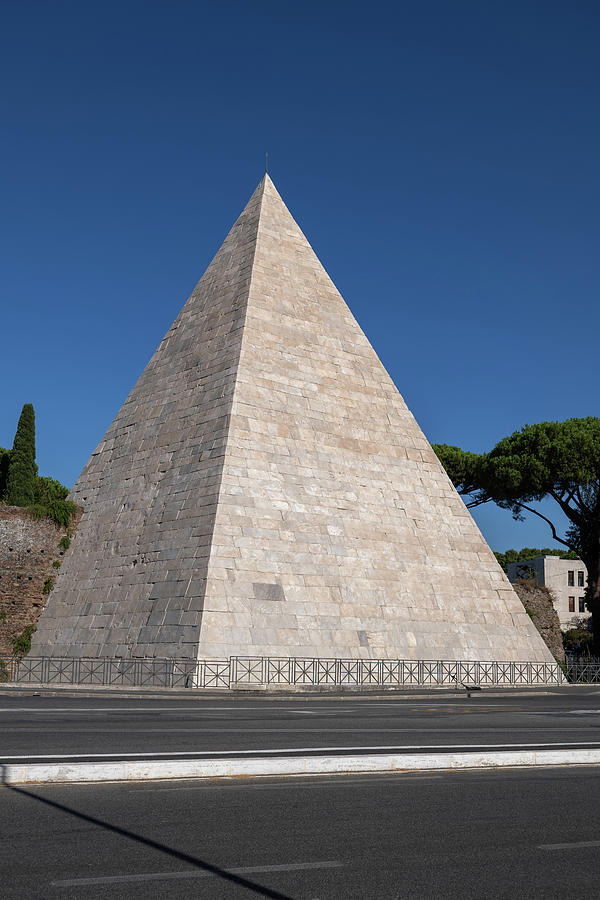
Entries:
{"x":65,"y":772}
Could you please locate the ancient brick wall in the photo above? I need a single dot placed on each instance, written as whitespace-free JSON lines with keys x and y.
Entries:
{"x":28,"y":549}
{"x":538,"y":601}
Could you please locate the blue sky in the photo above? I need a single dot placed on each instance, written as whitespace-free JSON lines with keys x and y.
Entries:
{"x":441,"y":157}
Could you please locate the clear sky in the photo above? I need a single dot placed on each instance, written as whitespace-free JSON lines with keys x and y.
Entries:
{"x":441,"y":157}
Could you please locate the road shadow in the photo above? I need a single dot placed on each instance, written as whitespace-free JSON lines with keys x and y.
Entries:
{"x":194,"y":861}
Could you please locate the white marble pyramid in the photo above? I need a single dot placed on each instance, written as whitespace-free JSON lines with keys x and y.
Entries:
{"x":265,"y":491}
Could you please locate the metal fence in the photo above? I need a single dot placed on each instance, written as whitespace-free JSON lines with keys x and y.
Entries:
{"x":259,"y":672}
{"x":583,"y":671}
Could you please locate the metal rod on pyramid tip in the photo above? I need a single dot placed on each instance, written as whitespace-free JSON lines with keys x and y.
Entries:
{"x":266,"y":163}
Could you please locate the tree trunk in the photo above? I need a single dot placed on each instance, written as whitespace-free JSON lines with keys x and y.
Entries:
{"x":590,"y":554}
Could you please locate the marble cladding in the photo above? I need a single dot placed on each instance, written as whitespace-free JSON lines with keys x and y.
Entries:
{"x":265,"y":491}
{"x":332,"y":496}
{"x":133,"y":582}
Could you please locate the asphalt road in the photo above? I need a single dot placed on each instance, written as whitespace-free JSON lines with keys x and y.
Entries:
{"x":517,"y":834}
{"x":37,"y":728}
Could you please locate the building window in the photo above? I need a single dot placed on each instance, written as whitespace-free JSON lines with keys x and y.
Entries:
{"x":580,"y":579}
{"x":582,"y":604}
{"x":571,"y":604}
{"x":570,"y":578}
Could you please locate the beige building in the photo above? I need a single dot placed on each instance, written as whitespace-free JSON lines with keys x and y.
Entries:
{"x":566,"y":578}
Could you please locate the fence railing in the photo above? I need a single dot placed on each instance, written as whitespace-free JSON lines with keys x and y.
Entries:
{"x":248,"y":671}
{"x":583,"y":671}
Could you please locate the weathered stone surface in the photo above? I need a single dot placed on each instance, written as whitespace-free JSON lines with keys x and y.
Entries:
{"x":28,"y":550}
{"x":539,"y":603}
{"x":265,"y":482}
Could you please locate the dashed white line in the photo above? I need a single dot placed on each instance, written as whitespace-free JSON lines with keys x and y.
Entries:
{"x":286,"y":750}
{"x":572,"y":846}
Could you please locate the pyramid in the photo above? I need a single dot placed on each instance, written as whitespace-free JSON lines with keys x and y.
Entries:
{"x":265,"y":491}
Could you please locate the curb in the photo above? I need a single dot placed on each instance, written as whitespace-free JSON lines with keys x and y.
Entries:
{"x":421,"y":692}
{"x":71,"y":773}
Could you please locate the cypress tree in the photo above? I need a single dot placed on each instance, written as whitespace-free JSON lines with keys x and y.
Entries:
{"x":22,"y":470}
{"x":4,"y":461}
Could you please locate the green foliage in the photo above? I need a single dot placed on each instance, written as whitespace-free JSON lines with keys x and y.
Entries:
{"x":556,"y":460}
{"x":4,"y":675}
{"x":4,"y":461}
{"x":65,"y":542}
{"x":20,"y":485}
{"x":37,"y":512}
{"x":548,"y":459}
{"x":60,"y":511}
{"x":462,"y":467}
{"x":579,"y":640}
{"x":48,"y":585}
{"x":56,"y":564}
{"x":552,"y":459}
{"x":22,"y":470}
{"x":22,"y":643}
{"x":51,"y":502}
{"x":49,"y":489}
{"x":526,"y":553}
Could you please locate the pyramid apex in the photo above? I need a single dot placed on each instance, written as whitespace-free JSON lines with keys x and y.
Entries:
{"x":264,"y":186}
{"x":266,"y":182}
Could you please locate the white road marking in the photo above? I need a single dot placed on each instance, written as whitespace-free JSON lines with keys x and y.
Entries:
{"x":203,"y":728}
{"x":152,"y":709}
{"x":196,"y":873}
{"x":573,"y":846}
{"x":286,"y":750}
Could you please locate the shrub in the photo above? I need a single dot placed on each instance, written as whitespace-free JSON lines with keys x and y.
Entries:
{"x":56,"y":563}
{"x":48,"y":585}
{"x":49,"y":489}
{"x":579,"y":640}
{"x":65,"y":542}
{"x":60,"y":511}
{"x":22,"y":643}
